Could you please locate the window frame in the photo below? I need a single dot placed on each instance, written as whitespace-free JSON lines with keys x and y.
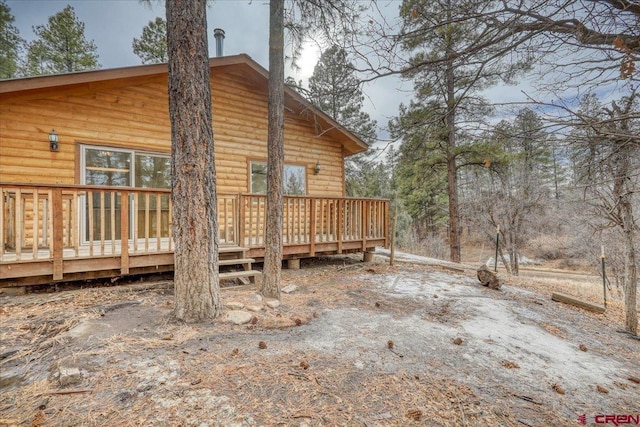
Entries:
{"x":304,"y":167}
{"x":132,"y":167}
{"x":82,"y":165}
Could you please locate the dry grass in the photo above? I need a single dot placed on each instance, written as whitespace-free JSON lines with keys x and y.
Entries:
{"x":588,"y":291}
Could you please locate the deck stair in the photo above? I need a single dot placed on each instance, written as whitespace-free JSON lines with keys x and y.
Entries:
{"x":234,"y":264}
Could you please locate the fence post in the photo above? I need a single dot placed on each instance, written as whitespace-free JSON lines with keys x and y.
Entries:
{"x":392,"y":253}
{"x":495,"y":262}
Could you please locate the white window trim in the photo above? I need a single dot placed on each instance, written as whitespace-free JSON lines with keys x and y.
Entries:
{"x":264,"y":162}
{"x":131,"y":152}
{"x":82,"y":202}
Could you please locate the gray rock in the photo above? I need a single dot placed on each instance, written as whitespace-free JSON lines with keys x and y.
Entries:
{"x":8,"y":352}
{"x":254,"y":308}
{"x":257,"y":297}
{"x":239,"y":317}
{"x":234,"y":305}
{"x":144,"y":385}
{"x":11,"y":377}
{"x":289,"y":289}
{"x":123,"y":396}
{"x":69,"y":376}
{"x":273,"y":303}
{"x":42,"y":405}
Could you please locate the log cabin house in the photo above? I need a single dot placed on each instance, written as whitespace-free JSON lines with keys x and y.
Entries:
{"x":85,"y":174}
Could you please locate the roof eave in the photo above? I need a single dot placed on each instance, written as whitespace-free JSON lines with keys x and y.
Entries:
{"x":351,"y":142}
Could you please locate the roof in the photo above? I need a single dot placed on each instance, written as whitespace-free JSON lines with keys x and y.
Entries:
{"x":244,"y":64}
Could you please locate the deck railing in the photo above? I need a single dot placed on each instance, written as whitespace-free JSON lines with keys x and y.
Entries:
{"x":312,"y":220}
{"x":62,"y":222}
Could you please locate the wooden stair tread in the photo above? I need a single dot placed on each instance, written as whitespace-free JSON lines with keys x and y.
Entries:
{"x":237,"y":274}
{"x":228,"y":249}
{"x":236,"y":261}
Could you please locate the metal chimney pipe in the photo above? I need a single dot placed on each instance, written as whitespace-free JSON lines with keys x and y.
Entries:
{"x":218,"y":33}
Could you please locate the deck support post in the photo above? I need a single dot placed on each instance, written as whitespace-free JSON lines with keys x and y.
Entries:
{"x":14,"y":291}
{"x":57,"y":234}
{"x":293,"y":264}
{"x":367,"y":256}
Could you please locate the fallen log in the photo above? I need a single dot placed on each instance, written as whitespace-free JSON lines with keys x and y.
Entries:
{"x":577,"y":302}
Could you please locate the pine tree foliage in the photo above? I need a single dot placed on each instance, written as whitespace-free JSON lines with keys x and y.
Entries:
{"x":61,"y":46}
{"x":420,"y":168}
{"x":434,"y":35}
{"x":335,"y":89}
{"x":151,"y":47}
{"x":11,"y":44}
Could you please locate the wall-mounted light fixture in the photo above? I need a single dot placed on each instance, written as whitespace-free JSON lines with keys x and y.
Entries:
{"x":53,"y":140}
{"x":318,"y":168}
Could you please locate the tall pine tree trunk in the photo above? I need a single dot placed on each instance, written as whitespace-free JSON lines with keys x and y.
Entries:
{"x":275,"y":153}
{"x":452,"y":170}
{"x":193,"y":181}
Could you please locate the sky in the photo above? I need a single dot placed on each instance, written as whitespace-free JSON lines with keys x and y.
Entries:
{"x":112,"y":25}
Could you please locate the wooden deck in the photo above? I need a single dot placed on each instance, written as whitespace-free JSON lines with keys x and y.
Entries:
{"x":52,"y":233}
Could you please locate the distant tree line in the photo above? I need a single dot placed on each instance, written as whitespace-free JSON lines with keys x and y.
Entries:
{"x":556,"y":178}
{"x":60,"y":46}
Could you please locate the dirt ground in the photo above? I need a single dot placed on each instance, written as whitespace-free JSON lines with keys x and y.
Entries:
{"x":355,"y":344}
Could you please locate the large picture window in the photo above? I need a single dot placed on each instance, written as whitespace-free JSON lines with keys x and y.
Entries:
{"x":125,"y":168}
{"x":128,"y":168}
{"x":295,"y":179}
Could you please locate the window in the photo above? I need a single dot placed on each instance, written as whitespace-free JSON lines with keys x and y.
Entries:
{"x":107,"y":167}
{"x":125,"y":168}
{"x":295,"y":179}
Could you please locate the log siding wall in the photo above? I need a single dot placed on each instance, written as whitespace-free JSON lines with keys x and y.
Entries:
{"x":133,"y":113}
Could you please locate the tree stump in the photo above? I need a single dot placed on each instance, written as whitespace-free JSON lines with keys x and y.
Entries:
{"x":489,"y":278}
